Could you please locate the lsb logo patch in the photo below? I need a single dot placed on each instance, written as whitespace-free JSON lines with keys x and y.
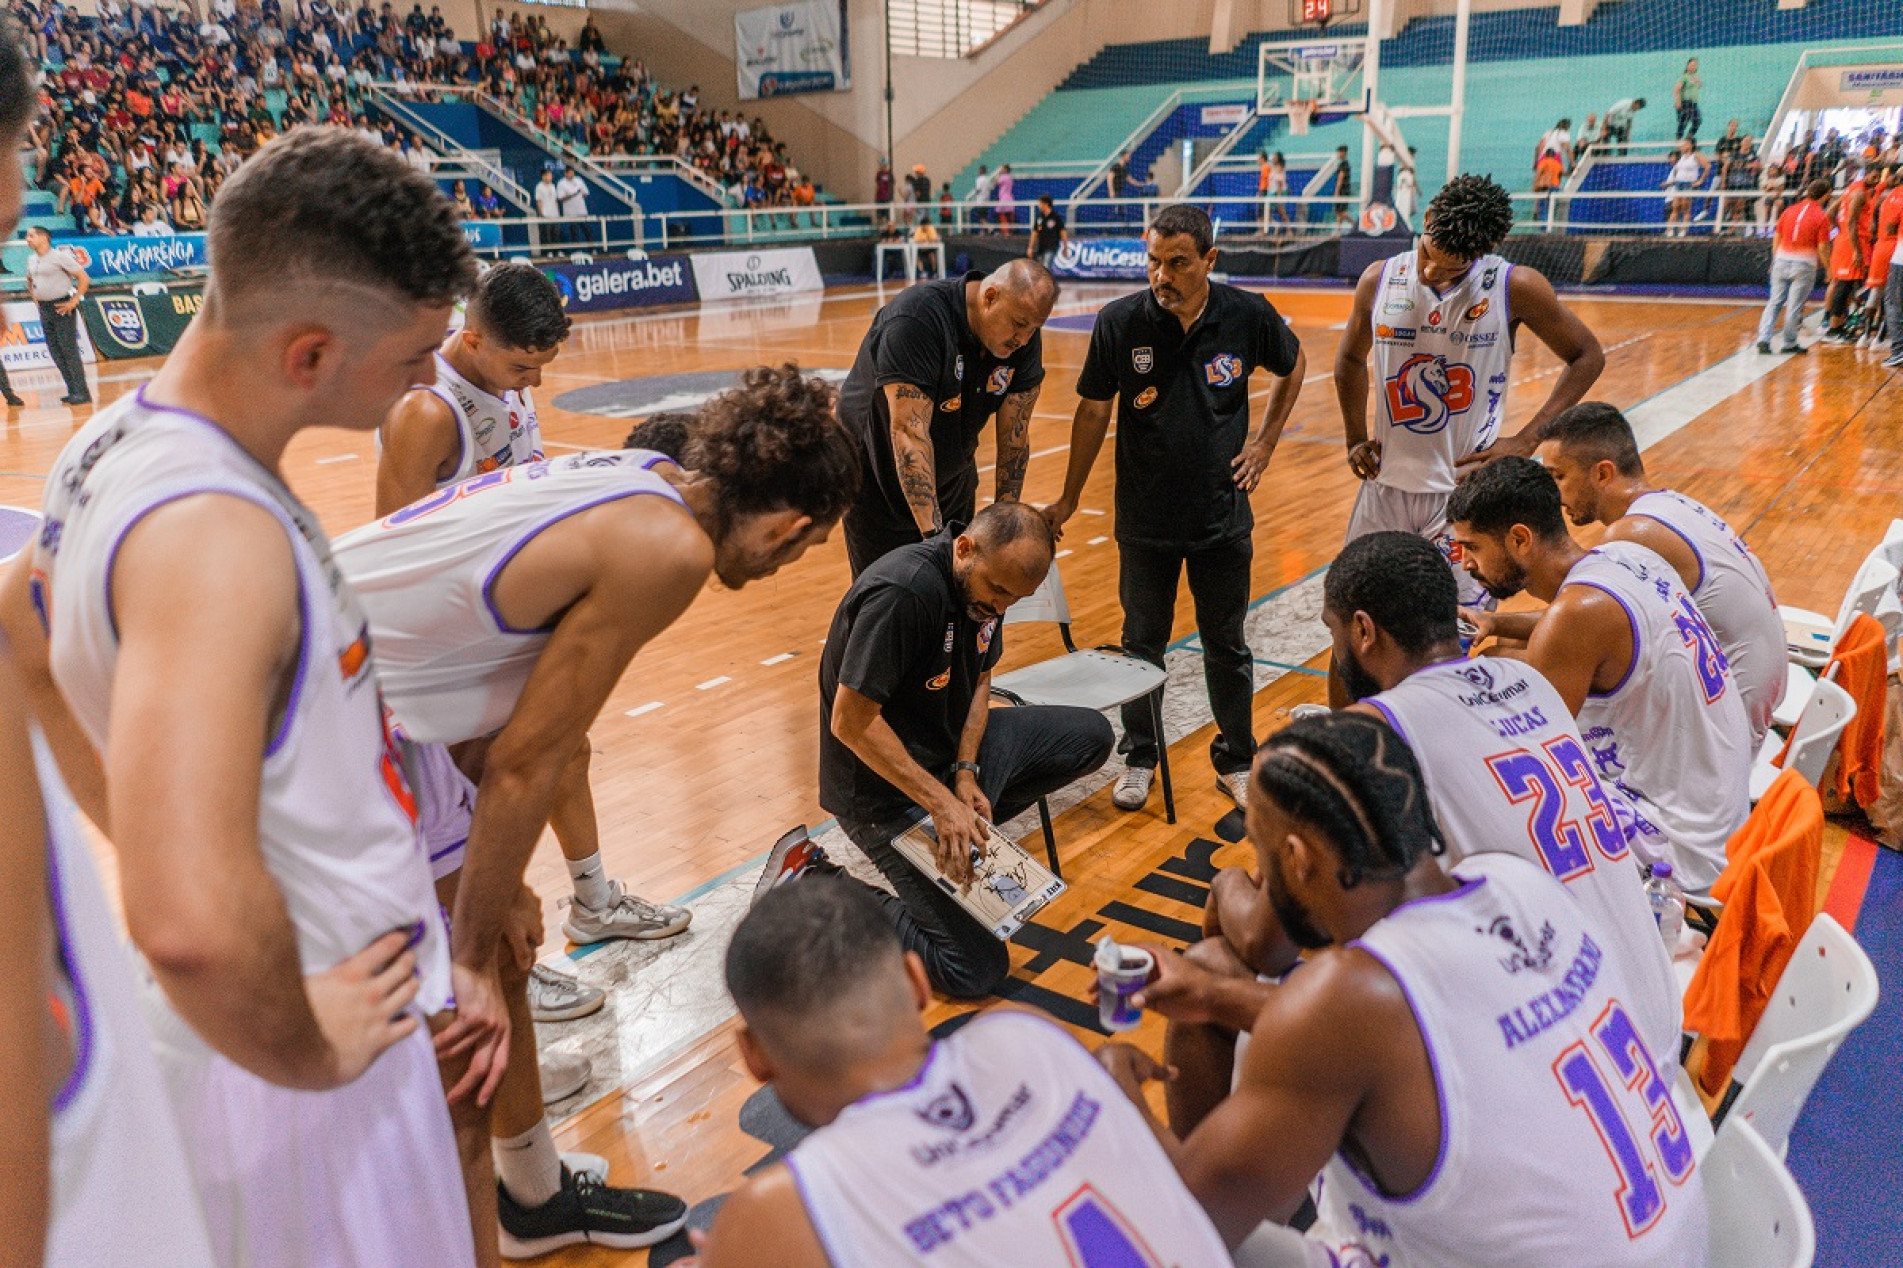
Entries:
{"x":1427,"y":391}
{"x":1000,"y":379}
{"x":1223,"y":369}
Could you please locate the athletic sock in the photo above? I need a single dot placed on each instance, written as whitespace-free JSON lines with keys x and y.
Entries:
{"x":591,"y":886}
{"x":530,"y":1168}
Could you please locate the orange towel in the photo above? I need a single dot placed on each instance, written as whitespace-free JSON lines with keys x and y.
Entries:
{"x":1864,"y":659}
{"x":1769,"y":889}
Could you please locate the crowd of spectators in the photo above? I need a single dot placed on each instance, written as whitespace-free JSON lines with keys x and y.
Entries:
{"x":147,"y":109}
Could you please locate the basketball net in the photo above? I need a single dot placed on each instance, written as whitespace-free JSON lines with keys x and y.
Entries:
{"x":1300,"y":112}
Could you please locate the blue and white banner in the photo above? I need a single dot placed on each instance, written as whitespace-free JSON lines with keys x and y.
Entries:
{"x":122,"y":255}
{"x":1120,"y":258}
{"x":612,"y":284}
{"x":483,"y":235}
{"x":792,"y":48}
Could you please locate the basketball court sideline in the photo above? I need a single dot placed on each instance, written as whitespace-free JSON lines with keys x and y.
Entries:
{"x":707,"y":751}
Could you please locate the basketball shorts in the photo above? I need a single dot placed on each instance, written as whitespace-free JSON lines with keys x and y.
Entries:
{"x":1379,"y":508}
{"x":445,"y":806}
{"x":362,"y":1176}
{"x":1843,"y":261}
{"x":1880,"y":263}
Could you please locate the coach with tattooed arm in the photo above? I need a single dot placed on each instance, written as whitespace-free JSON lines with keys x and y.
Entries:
{"x":939,"y":361}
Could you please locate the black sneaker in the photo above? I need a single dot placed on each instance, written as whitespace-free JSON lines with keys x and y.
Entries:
{"x":13,"y":399}
{"x":1764,"y":349}
{"x":1795,"y":350}
{"x":587,"y":1211}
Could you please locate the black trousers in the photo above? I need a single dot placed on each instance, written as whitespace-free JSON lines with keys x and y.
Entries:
{"x":1219,"y":584}
{"x":1027,"y":753}
{"x":62,"y":341}
{"x":1688,"y":120}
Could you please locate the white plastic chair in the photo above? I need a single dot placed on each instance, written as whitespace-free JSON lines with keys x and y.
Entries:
{"x":1691,"y":1109}
{"x":1828,"y":712}
{"x":1825,"y":992}
{"x":149,"y":288}
{"x":1798,"y":682}
{"x":1098,"y":678}
{"x":17,"y":529}
{"x":1758,"y":1215}
{"x":1809,"y":636}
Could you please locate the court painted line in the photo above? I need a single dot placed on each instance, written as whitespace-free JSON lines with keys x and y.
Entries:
{"x":558,"y":444}
{"x":1665,"y":412}
{"x":1089,"y":510}
{"x":1293,"y":669}
{"x":1062,"y":553}
{"x":1096,"y":541}
{"x":640,"y":709}
{"x":711,"y":683}
{"x":331,"y":461}
{"x":781,"y":659}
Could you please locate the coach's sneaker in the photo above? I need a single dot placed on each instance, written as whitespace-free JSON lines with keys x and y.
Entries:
{"x":1236,"y":784}
{"x":792,"y":856}
{"x":563,"y":1075}
{"x":1764,"y":349}
{"x":586,"y":1211}
{"x":625,"y":916}
{"x":1133,"y":787}
{"x":557,"y":996}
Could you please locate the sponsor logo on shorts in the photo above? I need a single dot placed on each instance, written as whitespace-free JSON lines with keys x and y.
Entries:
{"x":1223,"y":369}
{"x":1000,"y":380}
{"x":1145,"y":398}
{"x":1144,"y":359}
{"x":1479,"y":310}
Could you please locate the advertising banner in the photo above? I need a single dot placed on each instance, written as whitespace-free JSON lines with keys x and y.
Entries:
{"x":23,"y":345}
{"x":483,"y":235}
{"x":1120,"y":258}
{"x":612,"y":284}
{"x":123,"y":326}
{"x":122,"y":255}
{"x":792,"y":48}
{"x":746,"y":274}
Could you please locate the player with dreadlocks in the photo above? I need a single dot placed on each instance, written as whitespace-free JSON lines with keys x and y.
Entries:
{"x":1441,"y":319}
{"x":1446,"y":1059}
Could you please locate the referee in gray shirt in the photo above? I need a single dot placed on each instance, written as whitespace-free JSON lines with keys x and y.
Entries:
{"x":57,"y":283}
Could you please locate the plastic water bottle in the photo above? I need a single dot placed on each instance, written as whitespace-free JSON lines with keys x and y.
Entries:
{"x":1668,"y":903}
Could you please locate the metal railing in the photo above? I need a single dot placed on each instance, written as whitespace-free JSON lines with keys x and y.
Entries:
{"x":1141,"y":133}
{"x":1712,"y":212}
{"x":664,"y":165}
{"x":487,"y":163}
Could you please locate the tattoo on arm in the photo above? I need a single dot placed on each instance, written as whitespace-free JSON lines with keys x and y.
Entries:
{"x":1014,"y":443}
{"x":913,"y":455}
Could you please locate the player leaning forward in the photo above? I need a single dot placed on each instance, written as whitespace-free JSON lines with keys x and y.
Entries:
{"x":214,"y":656}
{"x":505,"y":609}
{"x":1440,"y":320}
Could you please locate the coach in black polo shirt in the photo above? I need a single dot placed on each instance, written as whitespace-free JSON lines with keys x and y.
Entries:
{"x":906,"y":724}
{"x":1179,"y":357}
{"x":939,"y":361}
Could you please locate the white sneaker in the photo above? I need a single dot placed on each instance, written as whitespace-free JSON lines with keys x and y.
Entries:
{"x":556,"y":996}
{"x":1236,"y":784}
{"x":1302,"y":712}
{"x":593,"y":1166}
{"x":563,"y":1075}
{"x":1133,"y":787}
{"x":625,"y":916}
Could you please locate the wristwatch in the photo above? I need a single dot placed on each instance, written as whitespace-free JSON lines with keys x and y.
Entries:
{"x":970,"y":766}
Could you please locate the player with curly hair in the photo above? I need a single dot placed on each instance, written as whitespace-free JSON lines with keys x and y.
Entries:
{"x":504,"y":610}
{"x":1440,"y":320}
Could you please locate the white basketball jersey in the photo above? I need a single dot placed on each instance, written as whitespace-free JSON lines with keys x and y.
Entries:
{"x":452,"y":669}
{"x":1440,"y":370}
{"x":496,"y":431}
{"x":1560,"y":1140}
{"x":1672,"y":735}
{"x":121,"y":1194}
{"x":1733,"y":592}
{"x":1011,"y":1146}
{"x":1507,"y":771}
{"x":336,"y":817}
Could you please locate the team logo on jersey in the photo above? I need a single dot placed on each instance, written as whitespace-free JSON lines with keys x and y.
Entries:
{"x":1145,"y":398}
{"x":1427,"y":391}
{"x":1486,"y":279}
{"x":939,"y":683}
{"x":1223,"y":369}
{"x":1522,"y":956}
{"x":124,"y":320}
{"x":958,"y":368}
{"x":951,"y":635}
{"x":946,"y":407}
{"x":1143,"y":359}
{"x":985,"y":632}
{"x":1479,"y":675}
{"x":1377,"y":219}
{"x":950,"y":1109}
{"x":1478,"y":310}
{"x":1000,"y":379}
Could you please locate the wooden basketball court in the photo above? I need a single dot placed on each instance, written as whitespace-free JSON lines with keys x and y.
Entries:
{"x":707,"y":751}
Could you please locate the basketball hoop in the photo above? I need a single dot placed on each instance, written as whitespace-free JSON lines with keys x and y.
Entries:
{"x":1301,"y":111}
